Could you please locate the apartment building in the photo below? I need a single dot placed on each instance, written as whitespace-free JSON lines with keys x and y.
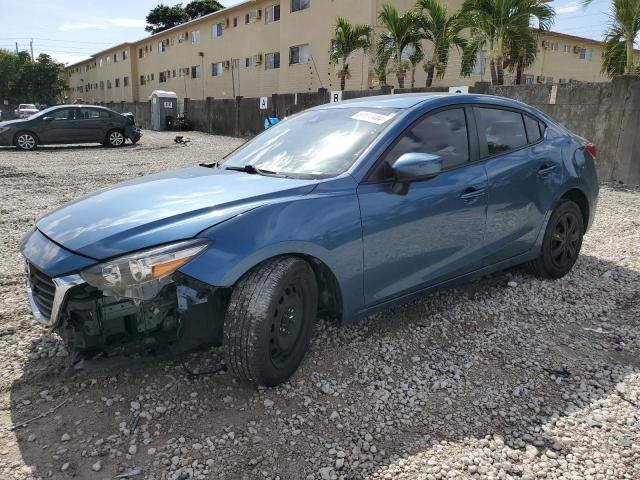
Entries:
{"x":262,"y":47}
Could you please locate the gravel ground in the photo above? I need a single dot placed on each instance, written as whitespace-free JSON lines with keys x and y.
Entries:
{"x":509,"y":377}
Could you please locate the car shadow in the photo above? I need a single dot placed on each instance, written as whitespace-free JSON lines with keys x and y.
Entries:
{"x":480,"y":361}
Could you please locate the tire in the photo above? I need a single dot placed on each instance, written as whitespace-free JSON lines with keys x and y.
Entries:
{"x":25,"y":141}
{"x":270,"y":321}
{"x":115,"y":138}
{"x":561,"y":243}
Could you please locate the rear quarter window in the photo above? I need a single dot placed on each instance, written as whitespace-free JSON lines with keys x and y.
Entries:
{"x":535,"y":130}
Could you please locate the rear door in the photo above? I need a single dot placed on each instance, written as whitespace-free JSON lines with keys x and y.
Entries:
{"x":523,"y":170}
{"x":92,"y":124}
{"x":58,"y":126}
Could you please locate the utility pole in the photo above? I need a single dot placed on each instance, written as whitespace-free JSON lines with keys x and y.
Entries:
{"x":31,"y":45}
{"x":16,"y":48}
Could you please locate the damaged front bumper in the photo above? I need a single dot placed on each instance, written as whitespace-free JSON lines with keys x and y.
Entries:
{"x":184,"y":315}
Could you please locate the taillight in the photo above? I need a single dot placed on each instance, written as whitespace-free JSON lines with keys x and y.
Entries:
{"x":591,"y":149}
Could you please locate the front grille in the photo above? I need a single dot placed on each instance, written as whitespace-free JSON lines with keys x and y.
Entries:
{"x":43,"y":290}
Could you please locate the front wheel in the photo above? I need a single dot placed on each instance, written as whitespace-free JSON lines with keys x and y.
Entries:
{"x":26,"y":141}
{"x":270,"y":320}
{"x":561,"y":243}
{"x":115,"y":138}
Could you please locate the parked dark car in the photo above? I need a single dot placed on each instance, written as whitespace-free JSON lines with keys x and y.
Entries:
{"x":70,"y":124}
{"x":338,"y":212}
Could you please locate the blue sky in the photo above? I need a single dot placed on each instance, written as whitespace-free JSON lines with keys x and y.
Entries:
{"x":71,"y":30}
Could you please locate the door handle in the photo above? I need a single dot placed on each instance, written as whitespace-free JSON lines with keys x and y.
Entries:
{"x":472,"y":193}
{"x":546,"y":169}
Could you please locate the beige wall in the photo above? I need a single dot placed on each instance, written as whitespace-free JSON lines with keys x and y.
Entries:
{"x":312,"y":27}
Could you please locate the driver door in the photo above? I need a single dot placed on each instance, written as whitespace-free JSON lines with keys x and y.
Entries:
{"x":436,"y":230}
{"x":58,"y":126}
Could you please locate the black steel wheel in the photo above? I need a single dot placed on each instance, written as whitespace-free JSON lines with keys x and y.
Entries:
{"x":562,"y":241}
{"x":270,"y":321}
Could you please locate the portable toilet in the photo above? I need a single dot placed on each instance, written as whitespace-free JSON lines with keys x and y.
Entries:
{"x":163,"y":104}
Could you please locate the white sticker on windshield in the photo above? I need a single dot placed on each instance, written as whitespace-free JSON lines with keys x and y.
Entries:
{"x":371,"y":117}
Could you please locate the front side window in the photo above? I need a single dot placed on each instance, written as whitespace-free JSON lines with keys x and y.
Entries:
{"x":272,"y":61}
{"x":272,"y":14}
{"x":195,"y":37}
{"x":315,"y":143}
{"x":503,"y":129}
{"x":297,"y":5}
{"x":299,"y":54}
{"x":63,"y":114}
{"x":443,"y":133}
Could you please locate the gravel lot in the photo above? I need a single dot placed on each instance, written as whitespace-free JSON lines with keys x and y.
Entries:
{"x":510,"y":377}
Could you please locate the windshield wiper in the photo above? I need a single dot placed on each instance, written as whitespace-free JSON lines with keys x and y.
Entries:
{"x":253,"y":170}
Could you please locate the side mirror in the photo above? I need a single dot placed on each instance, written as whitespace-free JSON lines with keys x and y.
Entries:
{"x":412,"y":167}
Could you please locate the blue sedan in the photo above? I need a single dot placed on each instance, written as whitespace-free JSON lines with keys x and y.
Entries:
{"x":337,"y":212}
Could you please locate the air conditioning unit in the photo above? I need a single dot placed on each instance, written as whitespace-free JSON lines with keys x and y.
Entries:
{"x":257,"y":59}
{"x":541,"y":79}
{"x":227,"y":64}
{"x":576,"y":49}
{"x":258,"y":14}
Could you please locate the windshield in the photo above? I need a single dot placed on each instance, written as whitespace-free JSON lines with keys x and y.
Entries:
{"x":315,"y":143}
{"x":27,"y":106}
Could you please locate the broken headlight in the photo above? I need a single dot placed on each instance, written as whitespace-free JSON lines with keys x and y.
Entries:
{"x":141,"y":275}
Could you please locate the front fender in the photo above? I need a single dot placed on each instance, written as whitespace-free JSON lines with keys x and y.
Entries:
{"x":324,"y":225}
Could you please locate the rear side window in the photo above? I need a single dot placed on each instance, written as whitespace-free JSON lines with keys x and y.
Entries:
{"x":534,"y":128}
{"x":444,"y":133}
{"x":92,"y":114}
{"x":503,"y":129}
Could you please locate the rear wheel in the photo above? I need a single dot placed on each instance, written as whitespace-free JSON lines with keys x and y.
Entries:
{"x":270,"y":320}
{"x":562,"y":242}
{"x":115,"y":138}
{"x":26,"y":141}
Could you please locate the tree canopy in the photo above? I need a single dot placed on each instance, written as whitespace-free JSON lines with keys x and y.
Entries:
{"x":163,"y":17}
{"x":25,"y":80}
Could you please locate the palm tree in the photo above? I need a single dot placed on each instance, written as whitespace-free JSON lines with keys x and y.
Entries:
{"x":443,"y":31}
{"x":619,"y":39}
{"x":401,"y":34}
{"x":347,"y":39}
{"x":503,"y":27}
{"x":414,"y":59}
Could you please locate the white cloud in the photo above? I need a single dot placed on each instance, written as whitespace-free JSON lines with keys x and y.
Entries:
{"x":128,"y":22}
{"x":80,"y":26}
{"x":568,"y":8}
{"x":67,"y":58}
{"x":114,"y":22}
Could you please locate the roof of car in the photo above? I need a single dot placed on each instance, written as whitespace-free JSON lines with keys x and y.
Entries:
{"x":409,"y":100}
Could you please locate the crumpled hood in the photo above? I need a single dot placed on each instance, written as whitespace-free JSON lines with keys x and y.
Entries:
{"x":161,"y":208}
